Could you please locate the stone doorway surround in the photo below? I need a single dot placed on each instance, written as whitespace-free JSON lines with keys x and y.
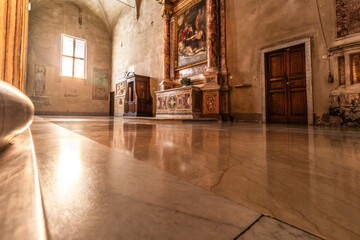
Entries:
{"x":309,"y":80}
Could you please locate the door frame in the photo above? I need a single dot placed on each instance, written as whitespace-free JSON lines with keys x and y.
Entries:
{"x":309,"y":80}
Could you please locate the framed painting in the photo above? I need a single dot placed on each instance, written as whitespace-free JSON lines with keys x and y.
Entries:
{"x":190,"y":31}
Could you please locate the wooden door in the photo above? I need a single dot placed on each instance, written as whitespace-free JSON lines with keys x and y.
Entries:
{"x":286,"y":85}
{"x":112,"y":104}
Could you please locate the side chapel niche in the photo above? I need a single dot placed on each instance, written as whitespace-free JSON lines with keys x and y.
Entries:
{"x":195,"y":52}
{"x":345,"y":99}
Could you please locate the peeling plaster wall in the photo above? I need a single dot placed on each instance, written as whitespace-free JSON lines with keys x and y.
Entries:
{"x":60,"y":95}
{"x":254,"y":25}
{"x":139,"y":44}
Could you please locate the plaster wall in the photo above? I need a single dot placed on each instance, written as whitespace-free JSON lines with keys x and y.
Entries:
{"x":61,"y":95}
{"x":138,"y":46}
{"x":251,"y":27}
{"x":255,"y":25}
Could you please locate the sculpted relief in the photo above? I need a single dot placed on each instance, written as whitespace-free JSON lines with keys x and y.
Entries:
{"x":40,"y":78}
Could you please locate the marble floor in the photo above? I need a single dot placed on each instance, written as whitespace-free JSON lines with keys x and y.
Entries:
{"x":105,"y":178}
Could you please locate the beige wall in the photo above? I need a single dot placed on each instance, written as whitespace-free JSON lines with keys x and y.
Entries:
{"x":47,"y":22}
{"x":251,"y":26}
{"x":138,"y":43}
{"x":254,"y":25}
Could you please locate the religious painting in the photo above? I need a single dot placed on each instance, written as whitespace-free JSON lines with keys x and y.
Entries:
{"x":191,"y":35}
{"x":120,"y":89}
{"x":100,"y":84}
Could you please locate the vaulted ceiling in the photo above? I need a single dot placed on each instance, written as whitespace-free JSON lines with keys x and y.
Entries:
{"x":107,"y":10}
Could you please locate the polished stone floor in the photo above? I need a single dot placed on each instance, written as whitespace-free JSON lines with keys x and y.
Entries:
{"x":104,"y":178}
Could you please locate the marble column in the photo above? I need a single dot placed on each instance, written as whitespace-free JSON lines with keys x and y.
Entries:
{"x":211,"y":26}
{"x":166,"y":46}
{"x":166,"y":83}
{"x":223,"y":63}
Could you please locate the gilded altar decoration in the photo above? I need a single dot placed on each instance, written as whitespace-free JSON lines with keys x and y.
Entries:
{"x":191,"y":34}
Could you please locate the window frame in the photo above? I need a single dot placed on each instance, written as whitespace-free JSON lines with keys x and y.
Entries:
{"x":73,"y":57}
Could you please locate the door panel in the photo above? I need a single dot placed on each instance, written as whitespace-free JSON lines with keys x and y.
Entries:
{"x":277,"y":65}
{"x":286,"y":85}
{"x":296,"y":61}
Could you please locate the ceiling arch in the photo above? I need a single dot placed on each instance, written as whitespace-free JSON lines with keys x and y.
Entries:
{"x":107,"y":10}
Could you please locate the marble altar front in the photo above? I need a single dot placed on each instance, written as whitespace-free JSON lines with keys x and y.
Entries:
{"x":180,"y":103}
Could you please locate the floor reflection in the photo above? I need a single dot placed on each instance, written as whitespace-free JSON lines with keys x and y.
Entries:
{"x":69,"y":164}
{"x":306,"y":176}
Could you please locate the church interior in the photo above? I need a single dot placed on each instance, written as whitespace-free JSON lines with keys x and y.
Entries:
{"x":180,"y":119}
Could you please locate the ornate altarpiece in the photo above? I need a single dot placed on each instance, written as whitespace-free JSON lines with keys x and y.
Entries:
{"x":195,"y":48}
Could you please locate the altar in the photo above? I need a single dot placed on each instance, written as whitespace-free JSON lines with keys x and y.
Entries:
{"x":179,"y":103}
{"x":195,"y":80}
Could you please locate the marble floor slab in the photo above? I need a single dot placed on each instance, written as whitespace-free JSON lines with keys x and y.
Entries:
{"x":91,"y":191}
{"x":308,"y":177}
{"x":21,"y":212}
{"x":270,"y":229}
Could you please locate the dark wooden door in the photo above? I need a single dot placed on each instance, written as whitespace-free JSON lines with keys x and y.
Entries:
{"x":112,"y":104}
{"x":286,"y":85}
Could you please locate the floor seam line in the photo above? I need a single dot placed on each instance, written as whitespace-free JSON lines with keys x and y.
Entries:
{"x":249,"y":227}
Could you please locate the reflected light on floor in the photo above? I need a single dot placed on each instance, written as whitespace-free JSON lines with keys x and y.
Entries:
{"x":69,"y":164}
